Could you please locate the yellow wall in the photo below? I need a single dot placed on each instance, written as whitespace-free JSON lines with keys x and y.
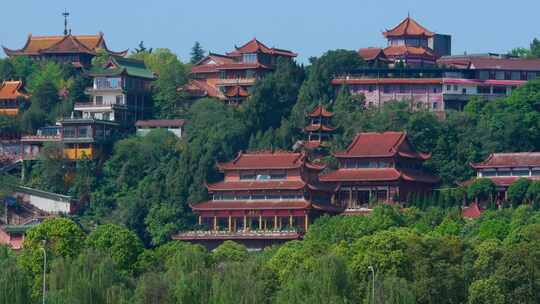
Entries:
{"x":75,"y":153}
{"x":9,"y":112}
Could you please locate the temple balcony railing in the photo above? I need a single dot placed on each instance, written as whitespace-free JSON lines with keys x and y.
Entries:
{"x":236,"y":81}
{"x":239,"y":234}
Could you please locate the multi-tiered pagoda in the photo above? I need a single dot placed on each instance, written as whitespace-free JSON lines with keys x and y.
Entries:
{"x":319,"y":131}
{"x":378,"y":167}
{"x":265,"y":198}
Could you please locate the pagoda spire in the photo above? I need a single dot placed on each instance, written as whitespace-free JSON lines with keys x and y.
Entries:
{"x":66,"y":15}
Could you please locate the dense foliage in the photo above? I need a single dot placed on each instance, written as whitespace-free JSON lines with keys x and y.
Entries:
{"x":431,"y":256}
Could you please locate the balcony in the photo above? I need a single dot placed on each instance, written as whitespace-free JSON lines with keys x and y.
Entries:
{"x":236,"y":81}
{"x":238,"y":235}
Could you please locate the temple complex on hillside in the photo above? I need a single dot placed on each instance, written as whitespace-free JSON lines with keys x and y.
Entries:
{"x":11,"y":95}
{"x":119,"y":96}
{"x":378,"y":167}
{"x":265,"y":198}
{"x":505,"y":168}
{"x":447,"y":87}
{"x":229,"y":77}
{"x":410,"y":44}
{"x":75,"y":49}
{"x":319,"y":130}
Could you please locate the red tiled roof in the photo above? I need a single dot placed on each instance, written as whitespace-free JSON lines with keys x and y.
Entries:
{"x":500,"y":181}
{"x":405,"y":50}
{"x":69,"y":43}
{"x":320,"y":110}
{"x":257,"y":185}
{"x":372,"y":53}
{"x":491,"y":63}
{"x":160,"y":123}
{"x":11,"y":90}
{"x":235,"y":91}
{"x":472,"y":211}
{"x":385,"y":144}
{"x":265,"y":160}
{"x":319,"y":127}
{"x":498,"y":160}
{"x":250,"y":205}
{"x":379,"y":174}
{"x":311,"y":144}
{"x":255,"y":46}
{"x":241,"y":66}
{"x":423,"y":81}
{"x":202,"y":88}
{"x":408,"y":27}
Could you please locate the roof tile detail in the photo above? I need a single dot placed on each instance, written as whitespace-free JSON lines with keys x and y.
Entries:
{"x":408,"y":27}
{"x":498,"y":160}
{"x":11,"y":90}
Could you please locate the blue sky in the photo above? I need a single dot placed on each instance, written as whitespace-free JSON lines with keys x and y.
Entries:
{"x":306,"y":27}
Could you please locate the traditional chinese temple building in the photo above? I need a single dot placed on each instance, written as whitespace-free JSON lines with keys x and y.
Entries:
{"x":447,"y":87}
{"x":11,"y":95}
{"x":229,"y":77}
{"x":409,"y":43}
{"x":319,"y":130}
{"x":505,"y":168}
{"x":120,"y":93}
{"x":265,"y":198}
{"x":75,"y":49}
{"x":378,"y":167}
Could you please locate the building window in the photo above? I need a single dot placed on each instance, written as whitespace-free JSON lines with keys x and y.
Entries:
{"x":535,"y":172}
{"x":463,"y":91}
{"x":483,"y":75}
{"x":448,"y":87}
{"x":516,"y":76}
{"x":83,"y":132}
{"x":499,"y":75}
{"x":499,"y":90}
{"x":99,"y":100}
{"x":531,"y":75}
{"x":520,"y":172}
{"x":249,"y":58}
{"x":119,"y":99}
{"x":488,"y":173}
{"x":484,"y":90}
{"x":435,"y":105}
{"x":504,"y":172}
{"x":69,"y":132}
{"x":455,"y":87}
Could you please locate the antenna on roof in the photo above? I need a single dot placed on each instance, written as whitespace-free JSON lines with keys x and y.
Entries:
{"x":66,"y":15}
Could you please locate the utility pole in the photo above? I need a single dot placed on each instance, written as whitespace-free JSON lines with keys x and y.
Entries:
{"x":44,"y":270}
{"x":370,"y":268}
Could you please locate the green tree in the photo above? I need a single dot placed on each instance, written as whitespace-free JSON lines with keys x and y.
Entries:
{"x":481,"y":189}
{"x":171,"y":75}
{"x":517,"y":191}
{"x":318,"y":88}
{"x":60,"y":237}
{"x":14,"y":281}
{"x":230,"y":251}
{"x":121,"y":244}
{"x":533,"y":193}
{"x":197,"y":53}
{"x":485,"y":291}
{"x":50,"y":172}
{"x":89,"y":278}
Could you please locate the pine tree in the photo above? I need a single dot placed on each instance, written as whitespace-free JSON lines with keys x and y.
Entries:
{"x":197,"y":52}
